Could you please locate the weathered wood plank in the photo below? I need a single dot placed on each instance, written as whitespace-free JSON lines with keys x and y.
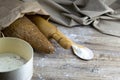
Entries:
{"x":64,"y":65}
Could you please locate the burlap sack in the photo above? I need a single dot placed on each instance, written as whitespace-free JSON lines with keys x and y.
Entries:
{"x":104,"y":15}
{"x":10,"y":10}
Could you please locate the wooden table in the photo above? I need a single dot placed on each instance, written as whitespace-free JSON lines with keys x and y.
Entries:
{"x":64,"y":65}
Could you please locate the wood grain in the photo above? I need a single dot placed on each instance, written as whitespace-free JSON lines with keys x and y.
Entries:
{"x":64,"y":65}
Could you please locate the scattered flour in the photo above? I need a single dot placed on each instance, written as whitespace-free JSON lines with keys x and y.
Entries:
{"x":66,"y":74}
{"x":41,"y":62}
{"x":78,"y":34}
{"x":40,"y":77}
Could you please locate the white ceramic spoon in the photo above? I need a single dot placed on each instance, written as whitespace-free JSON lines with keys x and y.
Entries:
{"x":82,"y":52}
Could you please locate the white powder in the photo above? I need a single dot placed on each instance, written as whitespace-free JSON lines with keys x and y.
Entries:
{"x":83,"y":52}
{"x":10,"y":61}
{"x":80,"y":34}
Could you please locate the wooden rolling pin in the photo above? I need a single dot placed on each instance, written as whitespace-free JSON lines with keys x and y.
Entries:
{"x":50,"y":31}
{"x":23,"y":28}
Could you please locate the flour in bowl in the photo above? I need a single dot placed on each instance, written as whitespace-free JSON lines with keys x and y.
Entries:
{"x":10,"y":61}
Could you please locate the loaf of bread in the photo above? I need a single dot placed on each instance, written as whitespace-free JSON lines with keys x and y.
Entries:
{"x":23,"y":28}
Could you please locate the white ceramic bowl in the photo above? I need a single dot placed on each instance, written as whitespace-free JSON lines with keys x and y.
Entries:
{"x":23,"y":49}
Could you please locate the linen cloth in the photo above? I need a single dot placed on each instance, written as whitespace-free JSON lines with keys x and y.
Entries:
{"x":104,"y":15}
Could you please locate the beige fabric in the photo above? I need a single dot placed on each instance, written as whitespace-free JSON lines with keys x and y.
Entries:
{"x":10,"y":10}
{"x":103,"y":14}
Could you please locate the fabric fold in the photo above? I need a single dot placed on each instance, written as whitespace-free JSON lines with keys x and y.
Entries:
{"x":104,"y":15}
{"x":14,"y":9}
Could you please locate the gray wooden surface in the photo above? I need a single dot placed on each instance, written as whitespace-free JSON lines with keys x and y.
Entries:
{"x":64,"y":65}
